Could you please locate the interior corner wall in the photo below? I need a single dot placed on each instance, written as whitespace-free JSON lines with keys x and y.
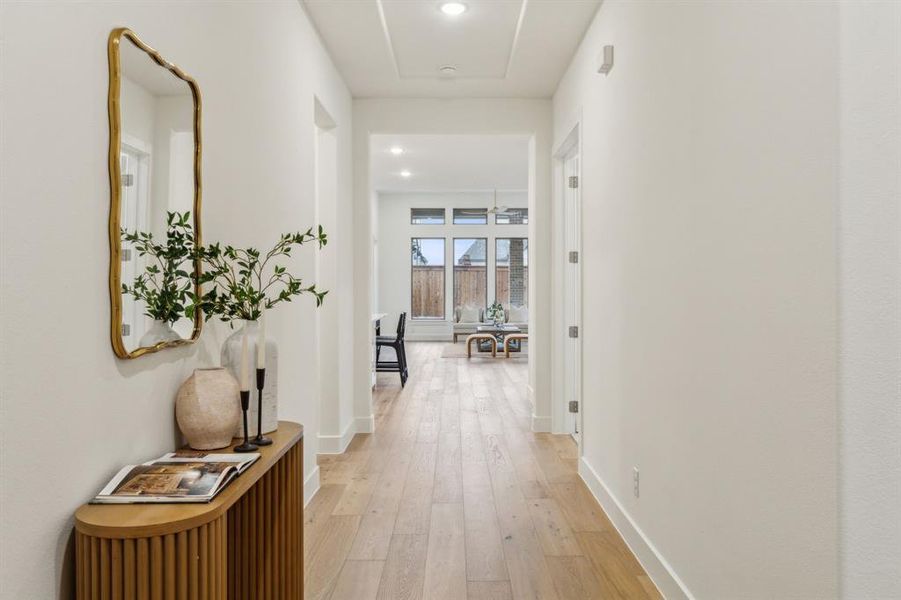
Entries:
{"x":457,"y":116}
{"x":709,"y":188}
{"x":71,"y":413}
{"x":870,"y":300}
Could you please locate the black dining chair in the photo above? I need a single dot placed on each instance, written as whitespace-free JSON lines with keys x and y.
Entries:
{"x":397,"y":343}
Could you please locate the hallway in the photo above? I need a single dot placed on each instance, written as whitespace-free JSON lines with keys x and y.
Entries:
{"x":454,"y":497}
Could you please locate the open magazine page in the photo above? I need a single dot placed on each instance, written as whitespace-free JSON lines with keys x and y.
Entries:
{"x":240,"y":461}
{"x":168,"y":481}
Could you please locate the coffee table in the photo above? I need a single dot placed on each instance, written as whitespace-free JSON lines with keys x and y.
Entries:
{"x":499,"y":332}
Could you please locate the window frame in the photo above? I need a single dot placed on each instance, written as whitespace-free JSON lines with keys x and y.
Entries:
{"x":525,"y":222}
{"x":454,"y":216}
{"x":497,"y":239}
{"x":443,"y":316}
{"x":443,"y":216}
{"x":454,"y":270}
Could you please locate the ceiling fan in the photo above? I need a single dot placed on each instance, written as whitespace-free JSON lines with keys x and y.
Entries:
{"x":498,"y":210}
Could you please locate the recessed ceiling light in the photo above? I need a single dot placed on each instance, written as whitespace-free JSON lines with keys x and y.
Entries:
{"x":405,"y":173}
{"x":453,"y":9}
{"x":447,"y":69}
{"x":396,"y":150}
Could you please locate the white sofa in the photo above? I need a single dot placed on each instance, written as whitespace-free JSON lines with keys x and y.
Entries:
{"x":473,"y":318}
{"x":518,"y":316}
{"x":467,"y":319}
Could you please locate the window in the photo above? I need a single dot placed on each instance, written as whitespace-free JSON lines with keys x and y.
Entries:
{"x":512,"y":216}
{"x":511,"y":287}
{"x":427,"y":278}
{"x":427,"y":216}
{"x":470,"y":216}
{"x":470,"y":272}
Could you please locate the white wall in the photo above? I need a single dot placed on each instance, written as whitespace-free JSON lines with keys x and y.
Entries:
{"x":870,"y":300}
{"x":71,"y":412}
{"x":334,"y":272}
{"x":456,"y":116}
{"x":709,"y":269}
{"x":394,"y":234}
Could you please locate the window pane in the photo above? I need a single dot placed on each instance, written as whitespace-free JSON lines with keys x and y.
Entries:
{"x":427,"y":216}
{"x":470,"y":272}
{"x":513,"y":216}
{"x":470,"y":216}
{"x":512,"y":272}
{"x":427,"y":281}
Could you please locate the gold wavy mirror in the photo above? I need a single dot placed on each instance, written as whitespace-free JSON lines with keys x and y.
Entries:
{"x":154,"y":221}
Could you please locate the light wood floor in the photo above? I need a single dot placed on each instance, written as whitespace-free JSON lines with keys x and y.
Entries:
{"x":454,"y":497}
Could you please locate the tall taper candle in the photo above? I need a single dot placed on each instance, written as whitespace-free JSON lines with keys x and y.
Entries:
{"x":245,"y":372}
{"x":261,"y":344}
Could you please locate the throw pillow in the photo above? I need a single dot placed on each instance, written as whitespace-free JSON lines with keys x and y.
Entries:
{"x":518,"y":314}
{"x":469,"y":314}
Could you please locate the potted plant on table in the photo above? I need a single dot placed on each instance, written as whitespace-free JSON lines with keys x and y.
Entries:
{"x":165,"y":285}
{"x":495,"y":312}
{"x":240,"y":285}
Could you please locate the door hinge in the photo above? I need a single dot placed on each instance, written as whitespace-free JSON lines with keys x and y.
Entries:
{"x":573,"y":331}
{"x":128,"y":180}
{"x":573,"y":406}
{"x":126,"y":330}
{"x":573,"y":181}
{"x":573,"y":256}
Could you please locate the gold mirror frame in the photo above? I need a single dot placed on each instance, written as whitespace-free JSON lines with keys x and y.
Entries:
{"x":115,"y":139}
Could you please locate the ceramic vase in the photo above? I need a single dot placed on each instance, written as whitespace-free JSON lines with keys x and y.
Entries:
{"x":160,"y":331}
{"x":208,"y":409}
{"x":231,"y":359}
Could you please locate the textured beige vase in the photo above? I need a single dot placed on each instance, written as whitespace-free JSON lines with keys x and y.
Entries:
{"x":207,"y":408}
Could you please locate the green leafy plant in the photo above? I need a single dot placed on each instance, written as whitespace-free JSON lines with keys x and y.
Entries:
{"x":243,"y":282}
{"x":165,"y":285}
{"x":495,"y":312}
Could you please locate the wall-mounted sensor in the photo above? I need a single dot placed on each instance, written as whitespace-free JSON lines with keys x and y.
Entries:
{"x":606,"y":60}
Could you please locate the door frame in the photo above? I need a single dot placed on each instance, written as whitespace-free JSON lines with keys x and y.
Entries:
{"x":571,"y":145}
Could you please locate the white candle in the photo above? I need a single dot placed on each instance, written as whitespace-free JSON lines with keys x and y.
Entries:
{"x":261,"y":345}
{"x":245,"y":373}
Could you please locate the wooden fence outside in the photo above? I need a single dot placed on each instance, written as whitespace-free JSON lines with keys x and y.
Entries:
{"x":470,"y":287}
{"x":428,"y":293}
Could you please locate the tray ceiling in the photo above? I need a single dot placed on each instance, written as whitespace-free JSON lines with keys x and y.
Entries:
{"x":396,"y":48}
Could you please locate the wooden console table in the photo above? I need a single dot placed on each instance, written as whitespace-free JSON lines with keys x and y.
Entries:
{"x":246,"y":544}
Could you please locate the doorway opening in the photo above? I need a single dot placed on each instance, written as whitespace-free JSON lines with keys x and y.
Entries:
{"x":451,"y":244}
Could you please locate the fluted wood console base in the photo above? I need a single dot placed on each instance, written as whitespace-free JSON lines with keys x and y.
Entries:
{"x":247,"y":544}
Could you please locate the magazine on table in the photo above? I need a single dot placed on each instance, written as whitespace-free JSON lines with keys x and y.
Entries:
{"x":176,"y":477}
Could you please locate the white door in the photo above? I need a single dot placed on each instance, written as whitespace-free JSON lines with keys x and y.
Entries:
{"x":133,"y":166}
{"x":572,"y":293}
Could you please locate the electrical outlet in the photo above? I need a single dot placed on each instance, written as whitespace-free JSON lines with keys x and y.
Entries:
{"x":635,"y":481}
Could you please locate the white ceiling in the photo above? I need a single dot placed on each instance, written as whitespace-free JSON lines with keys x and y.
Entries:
{"x":501,"y":48}
{"x":442,"y":163}
{"x":139,"y":67}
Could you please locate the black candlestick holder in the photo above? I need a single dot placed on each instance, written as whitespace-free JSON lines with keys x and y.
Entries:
{"x":260,"y":440}
{"x":245,"y":404}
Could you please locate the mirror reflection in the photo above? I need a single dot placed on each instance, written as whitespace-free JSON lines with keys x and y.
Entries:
{"x":156,"y":200}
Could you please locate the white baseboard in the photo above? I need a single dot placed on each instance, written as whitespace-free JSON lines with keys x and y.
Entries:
{"x":364,"y":424}
{"x":311,"y":485}
{"x":541,"y":424}
{"x":337,"y":444}
{"x":657,"y":568}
